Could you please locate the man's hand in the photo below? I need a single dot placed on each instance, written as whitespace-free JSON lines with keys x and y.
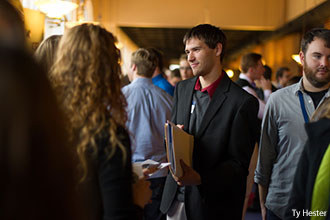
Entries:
{"x":189,"y":178}
{"x":180,"y":126}
{"x":265,"y":84}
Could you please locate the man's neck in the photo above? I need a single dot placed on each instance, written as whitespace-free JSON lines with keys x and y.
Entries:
{"x":310,"y":88}
{"x":248,"y":75}
{"x":209,"y":78}
{"x":136,"y":76}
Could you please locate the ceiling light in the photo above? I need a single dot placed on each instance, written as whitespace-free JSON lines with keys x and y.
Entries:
{"x":55,"y":8}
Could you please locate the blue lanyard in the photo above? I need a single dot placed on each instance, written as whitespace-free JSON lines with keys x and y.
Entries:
{"x":303,"y":108}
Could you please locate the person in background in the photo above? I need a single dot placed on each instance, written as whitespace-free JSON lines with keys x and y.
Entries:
{"x":158,"y":75}
{"x":283,"y":135}
{"x":148,"y":109}
{"x":86,"y":79}
{"x":283,"y":75}
{"x":185,"y":69}
{"x":36,"y":164}
{"x":268,"y":76}
{"x":175,"y":77}
{"x":311,"y":185}
{"x":252,"y":70}
{"x":45,"y":53}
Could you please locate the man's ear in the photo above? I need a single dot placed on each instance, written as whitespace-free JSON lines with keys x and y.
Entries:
{"x":218,"y":49}
{"x":302,"y":57}
{"x":251,"y":69}
{"x":133,"y":66}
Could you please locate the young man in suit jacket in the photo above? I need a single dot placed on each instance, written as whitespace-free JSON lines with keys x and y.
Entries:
{"x":223,"y":119}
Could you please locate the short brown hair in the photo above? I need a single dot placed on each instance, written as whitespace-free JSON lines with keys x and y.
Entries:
{"x":249,"y":60}
{"x":209,"y":34}
{"x":321,"y":33}
{"x":145,"y":61}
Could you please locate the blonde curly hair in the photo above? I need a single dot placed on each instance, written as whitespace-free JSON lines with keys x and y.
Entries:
{"x":323,"y":111}
{"x":86,"y":78}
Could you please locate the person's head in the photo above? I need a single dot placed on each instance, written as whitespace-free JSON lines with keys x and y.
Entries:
{"x":12,"y":30}
{"x":159,"y":56}
{"x":212,"y":36}
{"x":37,"y":167}
{"x":185,"y":69}
{"x":144,"y":62}
{"x":251,"y":65}
{"x":283,"y":75}
{"x":175,"y":77}
{"x":45,"y":54}
{"x":314,"y":56}
{"x":86,"y":78}
{"x":323,"y":111}
{"x":268,"y":72}
{"x":205,"y":46}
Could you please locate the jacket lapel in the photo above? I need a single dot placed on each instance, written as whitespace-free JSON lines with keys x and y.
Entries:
{"x":188,"y":94}
{"x":218,"y":98}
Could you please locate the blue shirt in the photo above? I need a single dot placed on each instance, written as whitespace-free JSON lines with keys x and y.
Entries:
{"x":148,"y":108}
{"x":162,"y":83}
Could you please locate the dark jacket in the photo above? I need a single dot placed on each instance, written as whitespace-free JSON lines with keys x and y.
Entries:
{"x":108,"y":187}
{"x":310,"y":160}
{"x":222,"y":150}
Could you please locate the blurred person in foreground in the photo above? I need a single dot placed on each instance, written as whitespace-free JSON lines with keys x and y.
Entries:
{"x":311,"y":185}
{"x":36,"y":164}
{"x":86,"y":78}
{"x":12,"y":30}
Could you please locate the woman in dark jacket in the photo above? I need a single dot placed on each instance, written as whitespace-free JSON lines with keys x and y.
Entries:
{"x":86,"y":78}
{"x":311,"y":186}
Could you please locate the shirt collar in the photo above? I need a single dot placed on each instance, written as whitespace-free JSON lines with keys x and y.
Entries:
{"x":244,"y":76}
{"x":142,"y":80}
{"x":211,"y":88}
{"x":300,"y":87}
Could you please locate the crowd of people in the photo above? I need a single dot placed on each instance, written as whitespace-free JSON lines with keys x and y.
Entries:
{"x":70,"y":133}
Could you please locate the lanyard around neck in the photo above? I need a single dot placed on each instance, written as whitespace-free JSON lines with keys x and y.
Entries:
{"x":303,"y":108}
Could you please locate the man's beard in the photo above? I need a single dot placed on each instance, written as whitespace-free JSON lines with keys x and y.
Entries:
{"x":311,"y":76}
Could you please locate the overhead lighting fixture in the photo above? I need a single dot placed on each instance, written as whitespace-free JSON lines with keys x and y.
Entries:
{"x":296,"y":58}
{"x":55,"y":8}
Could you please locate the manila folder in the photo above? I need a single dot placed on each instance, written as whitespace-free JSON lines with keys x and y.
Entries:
{"x":179,"y":145}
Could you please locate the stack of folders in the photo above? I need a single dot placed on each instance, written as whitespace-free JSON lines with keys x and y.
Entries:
{"x":179,"y":146}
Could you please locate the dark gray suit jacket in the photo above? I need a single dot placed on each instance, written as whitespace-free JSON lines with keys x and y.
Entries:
{"x":222,"y":150}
